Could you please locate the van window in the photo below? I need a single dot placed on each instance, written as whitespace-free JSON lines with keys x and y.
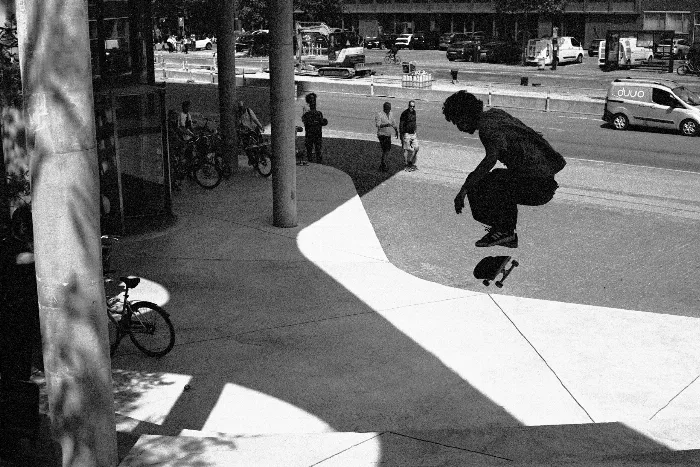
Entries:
{"x":661,"y":97}
{"x":687,"y":96}
{"x":575,"y":43}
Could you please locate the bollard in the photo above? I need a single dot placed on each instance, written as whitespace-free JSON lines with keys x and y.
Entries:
{"x":546,"y":102}
{"x":489,"y":101}
{"x":371,"y":86}
{"x":454,"y":76}
{"x":523,"y":81}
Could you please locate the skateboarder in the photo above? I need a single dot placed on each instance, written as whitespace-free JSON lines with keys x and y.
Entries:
{"x":528,"y":178}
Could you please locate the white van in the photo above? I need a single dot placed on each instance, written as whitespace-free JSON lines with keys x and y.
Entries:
{"x":570,"y":50}
{"x":629,"y":53}
{"x":656,"y":103}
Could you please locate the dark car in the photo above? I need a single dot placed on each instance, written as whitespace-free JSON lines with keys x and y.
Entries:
{"x":507,"y":52}
{"x":253,"y":45}
{"x":373,"y":42}
{"x":593,"y":47}
{"x":468,"y":48}
{"x":388,"y":40}
{"x":448,"y":37}
{"x":418,"y":41}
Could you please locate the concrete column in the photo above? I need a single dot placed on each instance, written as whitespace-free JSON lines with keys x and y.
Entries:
{"x":226,"y":64}
{"x":284,"y":190}
{"x":57,"y":83}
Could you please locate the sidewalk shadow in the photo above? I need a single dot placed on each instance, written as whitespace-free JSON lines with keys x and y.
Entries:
{"x":262,"y":321}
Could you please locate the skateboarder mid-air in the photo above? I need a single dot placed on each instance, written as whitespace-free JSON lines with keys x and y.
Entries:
{"x":527,"y":179}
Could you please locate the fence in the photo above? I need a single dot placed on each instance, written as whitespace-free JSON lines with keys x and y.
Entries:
{"x":417,"y":80}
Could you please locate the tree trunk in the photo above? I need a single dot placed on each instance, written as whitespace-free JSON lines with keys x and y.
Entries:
{"x":57,"y":83}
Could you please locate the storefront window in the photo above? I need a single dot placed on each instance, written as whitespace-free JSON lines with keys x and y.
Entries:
{"x":677,"y":21}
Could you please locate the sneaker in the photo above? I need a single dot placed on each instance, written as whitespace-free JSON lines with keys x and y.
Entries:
{"x":496,"y":238}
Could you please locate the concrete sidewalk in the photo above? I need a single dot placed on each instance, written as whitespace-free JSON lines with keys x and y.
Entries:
{"x":306,"y":346}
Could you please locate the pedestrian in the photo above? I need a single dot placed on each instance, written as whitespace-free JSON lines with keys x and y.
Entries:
{"x":385,"y":123}
{"x":247,"y":120}
{"x":313,"y":123}
{"x":184,"y":122}
{"x":407,"y":132}
{"x":527,"y":179}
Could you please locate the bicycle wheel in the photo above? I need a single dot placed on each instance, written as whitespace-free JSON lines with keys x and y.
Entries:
{"x":225,"y":169}
{"x":207,"y":175}
{"x":263,"y":163}
{"x":150,"y":329}
{"x":387,"y":59}
{"x":397,"y":59}
{"x":682,"y":70}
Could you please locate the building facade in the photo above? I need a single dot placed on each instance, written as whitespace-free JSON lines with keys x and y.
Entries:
{"x":583,"y":19}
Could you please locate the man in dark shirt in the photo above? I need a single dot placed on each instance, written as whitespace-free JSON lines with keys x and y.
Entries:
{"x":313,"y":123}
{"x":409,"y":141}
{"x":528,"y":178}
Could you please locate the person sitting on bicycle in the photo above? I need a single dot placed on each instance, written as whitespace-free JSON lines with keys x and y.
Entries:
{"x":184,"y":123}
{"x":247,"y":120}
{"x":393,"y":51}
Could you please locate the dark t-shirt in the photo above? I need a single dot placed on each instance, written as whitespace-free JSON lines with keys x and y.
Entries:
{"x":519,"y":147}
{"x":313,"y":122}
{"x":407,"y":122}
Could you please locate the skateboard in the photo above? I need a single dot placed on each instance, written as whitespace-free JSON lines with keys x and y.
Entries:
{"x":490,"y":267}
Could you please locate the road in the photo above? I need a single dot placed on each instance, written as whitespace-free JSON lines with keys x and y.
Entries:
{"x":580,"y":137}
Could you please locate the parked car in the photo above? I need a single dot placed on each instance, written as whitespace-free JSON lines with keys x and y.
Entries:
{"x":448,"y":37}
{"x":403,"y":41}
{"x":657,"y":103}
{"x":678,"y":47}
{"x":594,"y":47}
{"x":253,"y":45}
{"x":432,"y":40}
{"x":570,"y":50}
{"x":205,"y":43}
{"x":418,"y":41}
{"x":373,"y":42}
{"x":508,"y":52}
{"x":388,"y":40}
{"x":466,"y":48}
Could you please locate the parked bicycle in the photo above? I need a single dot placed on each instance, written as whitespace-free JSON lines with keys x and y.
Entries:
{"x":256,"y":149}
{"x":147,"y":325}
{"x":197,"y":162}
{"x":392,"y":59}
{"x":688,"y":68}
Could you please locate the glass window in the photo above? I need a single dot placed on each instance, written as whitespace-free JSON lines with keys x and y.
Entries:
{"x":661,"y":97}
{"x":687,"y":96}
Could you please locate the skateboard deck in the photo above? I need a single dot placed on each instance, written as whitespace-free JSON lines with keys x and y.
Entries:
{"x":491,"y":266}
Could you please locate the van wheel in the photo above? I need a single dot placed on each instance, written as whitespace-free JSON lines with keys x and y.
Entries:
{"x":689,"y":127}
{"x":620,"y":122}
{"x":579,"y":59}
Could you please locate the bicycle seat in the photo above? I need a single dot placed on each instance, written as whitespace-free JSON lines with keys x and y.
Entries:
{"x":130,"y":282}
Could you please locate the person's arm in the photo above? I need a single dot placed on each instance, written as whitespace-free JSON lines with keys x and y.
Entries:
{"x":402,"y":124}
{"x":396,"y":129}
{"x":255,"y":120}
{"x":484,"y":167}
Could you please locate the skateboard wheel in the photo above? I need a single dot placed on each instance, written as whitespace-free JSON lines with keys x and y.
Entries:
{"x":515,"y":263}
{"x":486,"y":283}
{"x":499,"y":284}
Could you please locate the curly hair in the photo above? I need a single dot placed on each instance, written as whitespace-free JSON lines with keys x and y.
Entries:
{"x":461,"y":104}
{"x":310,"y":96}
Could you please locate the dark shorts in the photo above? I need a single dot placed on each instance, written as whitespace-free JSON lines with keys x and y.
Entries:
{"x":384,"y":142}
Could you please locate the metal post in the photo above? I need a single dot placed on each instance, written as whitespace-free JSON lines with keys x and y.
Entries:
{"x":284,"y":190}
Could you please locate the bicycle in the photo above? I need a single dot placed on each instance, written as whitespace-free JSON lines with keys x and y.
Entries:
{"x":688,"y":67}
{"x":147,"y":325}
{"x":197,"y":163}
{"x":390,"y":59}
{"x":257,"y":150}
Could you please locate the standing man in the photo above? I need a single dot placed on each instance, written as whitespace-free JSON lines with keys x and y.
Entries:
{"x":385,"y":123}
{"x":528,"y":178}
{"x":407,"y":130}
{"x":313,"y":123}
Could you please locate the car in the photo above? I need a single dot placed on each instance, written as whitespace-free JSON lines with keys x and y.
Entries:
{"x":594,"y":47}
{"x":418,"y":41}
{"x":679,"y":49}
{"x":373,"y":42}
{"x":448,"y":37}
{"x":388,"y":40}
{"x":501,"y":51}
{"x":542,"y":50}
{"x":657,"y":103}
{"x":465,"y":46}
{"x":403,"y":41}
{"x":252,"y":45}
{"x":205,"y":44}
